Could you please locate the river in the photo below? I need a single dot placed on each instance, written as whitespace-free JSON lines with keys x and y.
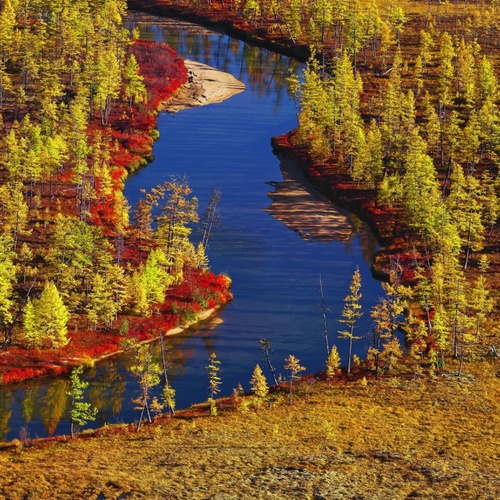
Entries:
{"x":275,"y":266}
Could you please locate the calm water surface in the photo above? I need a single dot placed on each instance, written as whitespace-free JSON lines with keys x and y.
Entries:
{"x":275,"y":272}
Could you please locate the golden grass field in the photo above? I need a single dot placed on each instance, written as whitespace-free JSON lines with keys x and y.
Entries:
{"x":391,"y":439}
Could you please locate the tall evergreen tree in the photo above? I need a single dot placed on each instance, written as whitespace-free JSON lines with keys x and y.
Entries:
{"x":351,"y":313}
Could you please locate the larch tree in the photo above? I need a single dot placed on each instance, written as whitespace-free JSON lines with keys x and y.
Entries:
{"x":294,"y":367}
{"x":147,"y":371}
{"x":347,"y":94}
{"x":81,"y":412}
{"x":419,"y":182}
{"x":134,"y":88}
{"x":14,"y":211}
{"x":465,"y":205}
{"x":7,"y":279}
{"x":102,"y":305}
{"x":491,"y":202}
{"x":351,"y":313}
{"x":155,"y":276}
{"x":332,"y":363}
{"x":317,"y":111}
{"x":214,"y":383}
{"x":7,"y":31}
{"x":487,"y":86}
{"x":259,"y":386}
{"x":24,"y":258}
{"x":368,"y":165}
{"x":46,"y":318}
{"x":385,"y":348}
{"x":466,"y":72}
{"x":177,"y":214}
{"x":445,"y":71}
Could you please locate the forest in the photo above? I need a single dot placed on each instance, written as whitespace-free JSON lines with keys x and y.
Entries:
{"x":397,"y":118}
{"x":80,"y":270}
{"x":399,"y":121}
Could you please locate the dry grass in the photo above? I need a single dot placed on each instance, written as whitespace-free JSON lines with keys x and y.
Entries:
{"x":388,"y":440}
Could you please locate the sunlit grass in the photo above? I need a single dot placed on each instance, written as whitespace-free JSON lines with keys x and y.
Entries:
{"x":384,"y":439}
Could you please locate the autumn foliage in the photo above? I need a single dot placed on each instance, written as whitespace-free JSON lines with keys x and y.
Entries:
{"x":200,"y":292}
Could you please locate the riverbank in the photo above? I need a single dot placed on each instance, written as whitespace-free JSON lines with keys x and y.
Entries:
{"x":131,"y":130}
{"x":225,"y":18}
{"x":342,"y":190}
{"x":393,"y":439}
{"x":187,"y":304}
{"x":205,"y":85}
{"x":399,"y":242}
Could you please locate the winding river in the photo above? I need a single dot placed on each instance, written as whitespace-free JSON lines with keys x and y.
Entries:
{"x":271,"y":241}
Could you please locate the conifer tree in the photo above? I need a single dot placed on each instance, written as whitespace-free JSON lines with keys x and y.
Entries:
{"x":30,"y":331}
{"x":445,"y":71}
{"x":101,"y":303}
{"x":480,"y":300}
{"x":294,"y":367}
{"x":46,"y":318}
{"x":7,"y":275}
{"x":81,"y":412}
{"x":259,"y":386}
{"x":332,"y":363}
{"x":147,"y":372}
{"x":177,"y":214}
{"x":464,"y":202}
{"x":168,"y":398}
{"x":214,"y":382}
{"x":135,"y":90}
{"x":351,"y":313}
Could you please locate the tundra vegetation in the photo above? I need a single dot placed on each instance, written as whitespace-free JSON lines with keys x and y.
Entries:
{"x":398,"y":120}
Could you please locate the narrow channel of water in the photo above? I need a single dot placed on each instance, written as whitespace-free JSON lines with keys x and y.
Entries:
{"x":275,"y":268}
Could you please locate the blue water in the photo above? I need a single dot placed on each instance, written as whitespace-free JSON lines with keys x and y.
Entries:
{"x":275,"y":273}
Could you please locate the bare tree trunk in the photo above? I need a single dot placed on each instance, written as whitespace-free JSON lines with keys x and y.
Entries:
{"x":323,"y":311}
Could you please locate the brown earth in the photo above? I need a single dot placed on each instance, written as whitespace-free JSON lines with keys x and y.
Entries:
{"x":394,"y":439}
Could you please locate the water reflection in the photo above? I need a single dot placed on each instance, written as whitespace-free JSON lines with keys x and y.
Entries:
{"x":274,"y":272}
{"x":298,"y":205}
{"x":264,"y":71}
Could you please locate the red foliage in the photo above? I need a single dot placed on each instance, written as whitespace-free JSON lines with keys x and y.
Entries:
{"x":18,"y":364}
{"x":128,"y":131}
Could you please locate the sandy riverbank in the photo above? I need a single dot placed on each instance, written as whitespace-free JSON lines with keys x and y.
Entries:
{"x":206,"y":85}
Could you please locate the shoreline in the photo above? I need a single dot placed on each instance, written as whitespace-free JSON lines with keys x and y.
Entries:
{"x":207,"y":86}
{"x":203,"y":316}
{"x":336,"y":187}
